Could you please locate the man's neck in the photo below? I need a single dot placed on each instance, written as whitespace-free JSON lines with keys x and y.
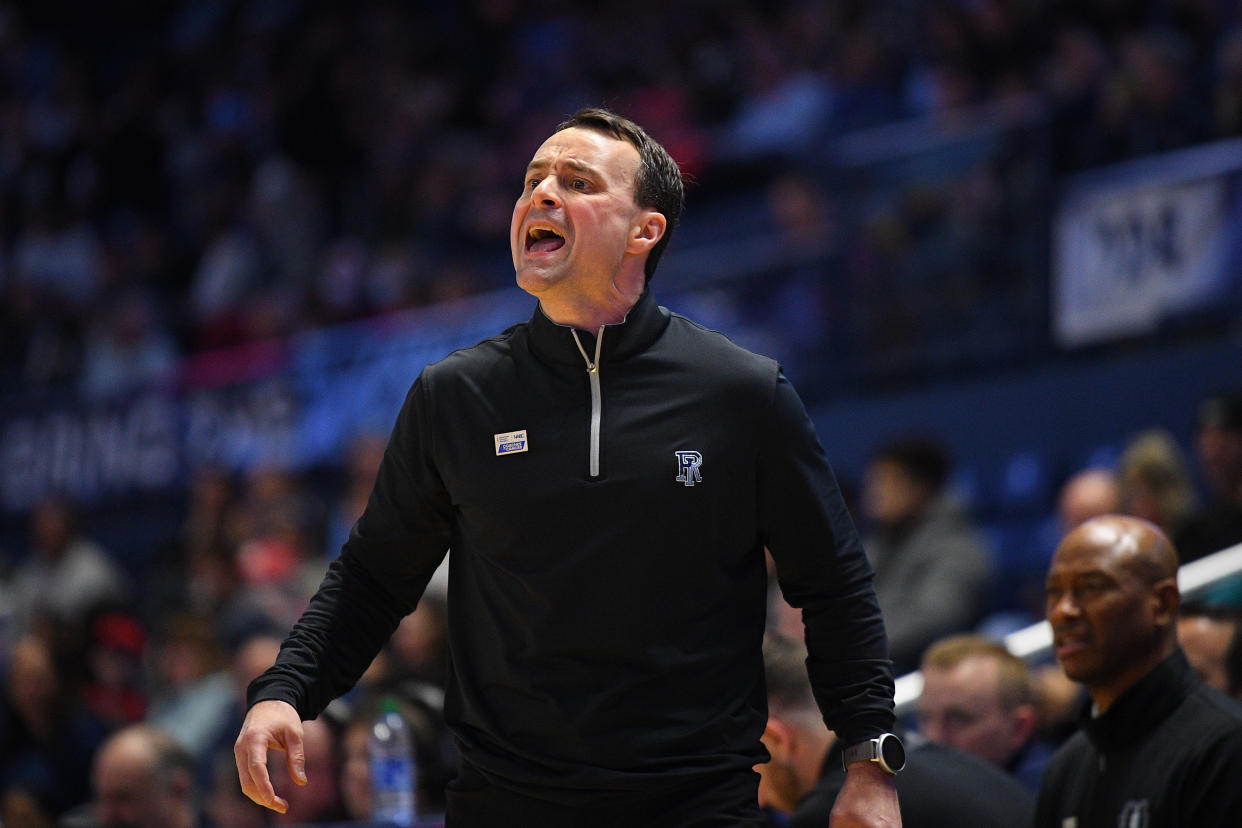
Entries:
{"x":1104,"y":696}
{"x":585,"y":315}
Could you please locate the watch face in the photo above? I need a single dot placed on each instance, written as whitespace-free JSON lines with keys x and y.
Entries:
{"x":893,"y":751}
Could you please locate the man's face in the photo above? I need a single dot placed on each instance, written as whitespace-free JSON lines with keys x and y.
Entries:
{"x":576,"y":214}
{"x":1220,"y":456}
{"x":779,"y":786}
{"x":890,"y":494}
{"x":1103,"y":613}
{"x":124,"y":795}
{"x":962,"y":706}
{"x":1206,"y":643}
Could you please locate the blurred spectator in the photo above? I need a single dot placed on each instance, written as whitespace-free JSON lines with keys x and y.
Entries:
{"x":1208,"y":635}
{"x":47,"y":736}
{"x":198,"y":569}
{"x":278,"y":525}
{"x":940,"y":785}
{"x":225,"y":804}
{"x":1218,"y":447}
{"x":115,"y":689}
{"x":192,"y":691}
{"x":977,"y":697}
{"x":67,"y":574}
{"x":1087,"y":494}
{"x":435,"y":755}
{"x":143,"y":779}
{"x":319,"y":800}
{"x":418,"y":649}
{"x":127,"y":350}
{"x":24,"y":808}
{"x":1155,"y":482}
{"x":931,"y":567}
{"x":355,"y":770}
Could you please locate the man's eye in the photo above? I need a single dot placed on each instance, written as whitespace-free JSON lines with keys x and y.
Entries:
{"x":532,"y":183}
{"x":958,"y":719}
{"x":578,"y":184}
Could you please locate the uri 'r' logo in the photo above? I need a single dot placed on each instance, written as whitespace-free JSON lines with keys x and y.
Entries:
{"x":688,"y":464}
{"x":1135,"y":814}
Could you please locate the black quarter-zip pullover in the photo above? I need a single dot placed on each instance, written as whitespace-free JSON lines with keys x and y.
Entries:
{"x":607,"y":518}
{"x":1166,"y":754}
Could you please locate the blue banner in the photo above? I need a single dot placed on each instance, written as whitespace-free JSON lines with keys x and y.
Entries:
{"x":298,"y":411}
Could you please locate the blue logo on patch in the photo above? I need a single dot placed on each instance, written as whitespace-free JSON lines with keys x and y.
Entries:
{"x":511,"y":442}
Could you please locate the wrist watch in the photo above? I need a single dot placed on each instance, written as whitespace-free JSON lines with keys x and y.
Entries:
{"x":886,"y":750}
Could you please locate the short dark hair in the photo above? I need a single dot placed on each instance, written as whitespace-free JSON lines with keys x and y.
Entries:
{"x":922,"y":457}
{"x":1222,"y":410}
{"x":659,"y":183}
{"x":784,"y":668}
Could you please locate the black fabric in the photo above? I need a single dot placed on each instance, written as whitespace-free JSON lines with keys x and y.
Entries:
{"x":1167,"y":753}
{"x":604,"y":632}
{"x":727,"y":800}
{"x":940,"y":787}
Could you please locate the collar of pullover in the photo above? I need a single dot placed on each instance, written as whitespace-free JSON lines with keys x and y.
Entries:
{"x":1138,"y":710}
{"x":641,"y":326}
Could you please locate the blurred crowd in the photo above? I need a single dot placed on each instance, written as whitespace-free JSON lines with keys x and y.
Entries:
{"x":189,"y":176}
{"x":90,"y":653}
{"x":176,"y":178}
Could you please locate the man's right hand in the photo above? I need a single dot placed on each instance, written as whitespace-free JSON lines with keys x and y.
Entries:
{"x":269,"y":725}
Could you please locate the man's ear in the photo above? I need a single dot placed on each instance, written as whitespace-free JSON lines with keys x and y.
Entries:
{"x":647,"y":231}
{"x":1167,"y":601}
{"x":778,"y":738}
{"x":1025,"y":718}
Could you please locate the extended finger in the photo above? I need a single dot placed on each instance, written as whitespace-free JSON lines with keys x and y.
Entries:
{"x":295,"y":757}
{"x":255,"y":781}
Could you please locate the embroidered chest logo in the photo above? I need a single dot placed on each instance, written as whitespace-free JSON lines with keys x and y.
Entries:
{"x":688,"y":465}
{"x":1135,"y":814}
{"x":511,"y":442}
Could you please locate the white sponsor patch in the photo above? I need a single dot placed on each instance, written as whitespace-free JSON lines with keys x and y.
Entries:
{"x":511,"y":442}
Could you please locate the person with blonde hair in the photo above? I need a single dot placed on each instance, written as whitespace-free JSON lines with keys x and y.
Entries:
{"x":978,"y":696}
{"x":1155,"y":482}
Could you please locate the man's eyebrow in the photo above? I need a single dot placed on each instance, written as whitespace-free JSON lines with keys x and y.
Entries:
{"x":541,"y":164}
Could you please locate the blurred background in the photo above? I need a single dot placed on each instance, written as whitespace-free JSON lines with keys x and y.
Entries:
{"x":233,"y":231}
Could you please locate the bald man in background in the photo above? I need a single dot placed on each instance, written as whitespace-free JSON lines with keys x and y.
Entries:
{"x":1159,"y":747}
{"x":144,"y":779}
{"x":1089,"y":493}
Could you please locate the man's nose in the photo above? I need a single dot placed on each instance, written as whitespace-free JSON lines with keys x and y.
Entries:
{"x":1063,"y":606}
{"x":930,"y":727}
{"x":546,"y":193}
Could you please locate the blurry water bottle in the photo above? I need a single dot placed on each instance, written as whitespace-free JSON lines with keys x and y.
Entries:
{"x":390,"y":749}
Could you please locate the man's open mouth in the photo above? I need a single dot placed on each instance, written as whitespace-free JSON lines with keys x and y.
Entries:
{"x":543,"y":240}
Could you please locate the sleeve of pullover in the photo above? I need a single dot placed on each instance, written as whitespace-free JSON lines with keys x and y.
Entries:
{"x":823,"y":571}
{"x":381,"y":573}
